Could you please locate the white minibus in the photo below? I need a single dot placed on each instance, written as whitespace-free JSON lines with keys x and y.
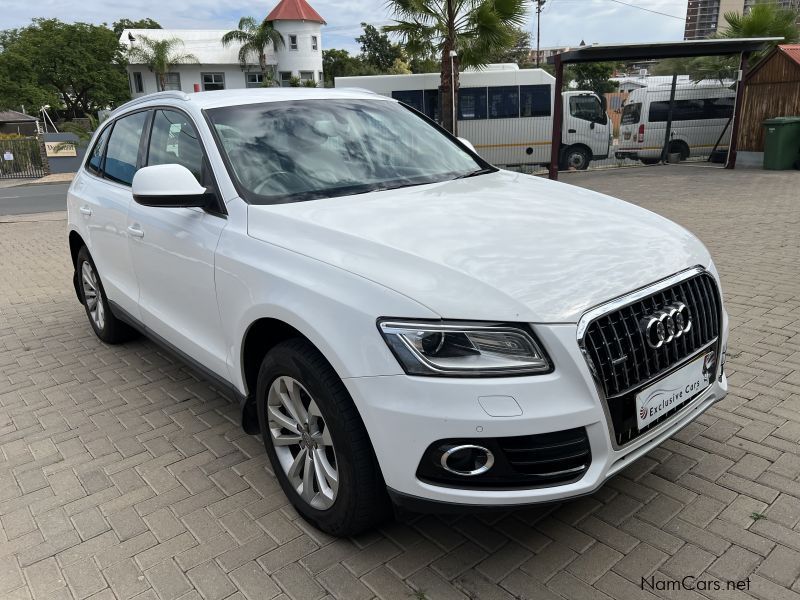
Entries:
{"x":506,"y":113}
{"x":701,"y":117}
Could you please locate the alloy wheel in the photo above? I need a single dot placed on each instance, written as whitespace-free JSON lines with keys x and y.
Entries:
{"x":93,"y":295}
{"x":302,"y":442}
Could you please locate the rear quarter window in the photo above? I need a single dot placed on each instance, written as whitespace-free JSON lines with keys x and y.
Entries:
{"x":632,"y":113}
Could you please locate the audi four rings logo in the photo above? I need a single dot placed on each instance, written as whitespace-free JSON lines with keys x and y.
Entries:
{"x":668,"y":324}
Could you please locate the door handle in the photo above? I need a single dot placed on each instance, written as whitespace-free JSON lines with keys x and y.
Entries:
{"x":571,"y":131}
{"x":135,"y":232}
{"x":85,"y":210}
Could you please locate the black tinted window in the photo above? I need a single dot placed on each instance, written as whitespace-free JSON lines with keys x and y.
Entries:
{"x":432,"y":104}
{"x":472,"y":103}
{"x":95,"y":162}
{"x":504,"y":102}
{"x":411,"y":97}
{"x":123,"y":148}
{"x":174,"y":141}
{"x":631,"y":113}
{"x":695,"y":109}
{"x":534,"y":101}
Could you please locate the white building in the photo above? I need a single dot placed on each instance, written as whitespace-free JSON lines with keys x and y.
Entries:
{"x":218,"y":67}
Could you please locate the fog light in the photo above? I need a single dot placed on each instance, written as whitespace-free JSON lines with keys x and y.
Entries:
{"x":467,"y":460}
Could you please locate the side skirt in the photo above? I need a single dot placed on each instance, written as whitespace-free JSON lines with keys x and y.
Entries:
{"x":224,"y":386}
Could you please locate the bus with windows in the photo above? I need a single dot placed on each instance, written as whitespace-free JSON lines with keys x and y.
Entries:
{"x":506,"y":113}
{"x":702,"y":115}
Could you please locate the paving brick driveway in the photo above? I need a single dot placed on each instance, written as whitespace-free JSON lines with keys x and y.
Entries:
{"x":123,"y":474}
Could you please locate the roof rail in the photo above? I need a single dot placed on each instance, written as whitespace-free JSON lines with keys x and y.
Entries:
{"x":171,"y":94}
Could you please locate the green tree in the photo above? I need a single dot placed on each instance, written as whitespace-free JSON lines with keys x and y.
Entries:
{"x":764,"y":20}
{"x":75,"y":65}
{"x":159,"y":56}
{"x":593,"y":76}
{"x":472,"y":28}
{"x":255,"y":39}
{"x":123,"y":24}
{"x":339,"y":63}
{"x":519,"y":52}
{"x":377,"y":49}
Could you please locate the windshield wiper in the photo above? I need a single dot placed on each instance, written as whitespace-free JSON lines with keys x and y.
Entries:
{"x":484,"y":171}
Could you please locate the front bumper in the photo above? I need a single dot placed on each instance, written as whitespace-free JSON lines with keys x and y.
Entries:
{"x":404,"y":415}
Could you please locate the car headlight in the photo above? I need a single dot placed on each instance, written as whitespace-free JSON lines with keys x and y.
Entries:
{"x":463,"y":350}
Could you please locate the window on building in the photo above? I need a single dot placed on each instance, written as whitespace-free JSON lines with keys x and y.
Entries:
{"x":172,"y":81}
{"x":123,"y":148}
{"x":213,"y":81}
{"x":254,"y":80}
{"x":504,"y":102}
{"x":174,"y":141}
{"x":292,"y":42}
{"x":314,"y":43}
{"x":472,"y":104}
{"x":432,"y":104}
{"x":411,"y":97}
{"x":138,"y":83}
{"x":286,"y":78}
{"x":306,"y":76}
{"x":534,"y":100}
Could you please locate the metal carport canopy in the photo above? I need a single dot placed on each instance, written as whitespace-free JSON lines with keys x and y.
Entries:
{"x":656,"y":50}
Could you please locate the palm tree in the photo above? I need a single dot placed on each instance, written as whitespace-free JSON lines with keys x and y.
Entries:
{"x":472,"y":28}
{"x":764,"y":20}
{"x":159,"y":56}
{"x":255,"y":39}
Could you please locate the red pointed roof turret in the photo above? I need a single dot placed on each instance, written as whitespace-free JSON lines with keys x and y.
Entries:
{"x":295,"y":10}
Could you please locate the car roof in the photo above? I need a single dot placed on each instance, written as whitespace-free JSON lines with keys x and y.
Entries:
{"x":220,"y":98}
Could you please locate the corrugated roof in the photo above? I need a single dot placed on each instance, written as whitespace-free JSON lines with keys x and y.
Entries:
{"x":294,"y":10}
{"x":792,"y":51}
{"x":12,"y":116}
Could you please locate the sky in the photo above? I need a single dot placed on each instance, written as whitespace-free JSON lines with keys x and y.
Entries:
{"x":564,"y":22}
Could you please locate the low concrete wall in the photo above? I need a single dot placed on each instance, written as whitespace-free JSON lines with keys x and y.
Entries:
{"x":65,"y":164}
{"x":750,"y":159}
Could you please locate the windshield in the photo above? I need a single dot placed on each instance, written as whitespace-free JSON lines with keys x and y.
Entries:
{"x":631,"y":113}
{"x":292,"y":151}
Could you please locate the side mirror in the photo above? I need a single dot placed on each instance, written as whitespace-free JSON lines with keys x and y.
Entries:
{"x":169,"y":186}
{"x":468,"y":144}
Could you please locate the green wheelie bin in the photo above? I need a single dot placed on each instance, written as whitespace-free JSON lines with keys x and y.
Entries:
{"x":782,"y":143}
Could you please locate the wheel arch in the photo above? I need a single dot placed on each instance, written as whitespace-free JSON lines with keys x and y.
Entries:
{"x":75,"y":244}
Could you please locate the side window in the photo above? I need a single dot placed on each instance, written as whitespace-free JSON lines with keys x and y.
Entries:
{"x":587,"y":108}
{"x":174,"y":141}
{"x":123,"y":148}
{"x":534,"y":100}
{"x":95,"y":162}
{"x":472,"y":103}
{"x":504,"y":102}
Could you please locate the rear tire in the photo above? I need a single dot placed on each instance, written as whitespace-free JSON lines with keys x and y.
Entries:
{"x":650,"y":161}
{"x":316,"y":442}
{"x":93,"y":297}
{"x":679,"y":148}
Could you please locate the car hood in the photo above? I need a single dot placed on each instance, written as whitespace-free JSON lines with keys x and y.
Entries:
{"x":503,"y":246}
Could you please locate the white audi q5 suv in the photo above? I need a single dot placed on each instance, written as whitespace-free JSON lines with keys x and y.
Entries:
{"x":399,"y":320}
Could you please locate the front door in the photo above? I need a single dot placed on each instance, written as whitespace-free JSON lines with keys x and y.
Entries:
{"x":173,"y":253}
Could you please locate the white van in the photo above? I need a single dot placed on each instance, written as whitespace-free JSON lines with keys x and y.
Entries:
{"x":701,"y":117}
{"x":506,"y":113}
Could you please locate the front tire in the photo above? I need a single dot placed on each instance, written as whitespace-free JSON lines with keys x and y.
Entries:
{"x":576,"y":157}
{"x":93,"y":296}
{"x":316,"y":442}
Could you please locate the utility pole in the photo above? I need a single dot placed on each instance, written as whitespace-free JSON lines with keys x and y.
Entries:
{"x":539,"y":6}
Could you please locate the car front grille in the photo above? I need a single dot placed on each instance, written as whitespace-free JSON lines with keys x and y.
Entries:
{"x":623,"y":362}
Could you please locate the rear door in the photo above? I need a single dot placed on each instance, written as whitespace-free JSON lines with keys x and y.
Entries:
{"x":173,"y":251}
{"x":103,"y":204}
